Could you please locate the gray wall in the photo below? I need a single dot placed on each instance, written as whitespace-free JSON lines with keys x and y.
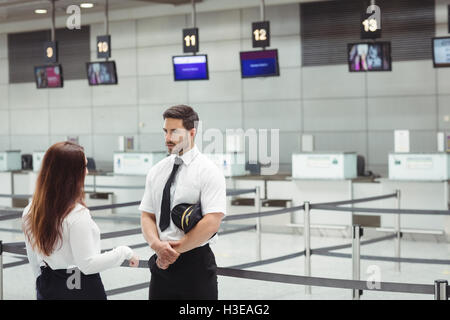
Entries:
{"x":344,"y":111}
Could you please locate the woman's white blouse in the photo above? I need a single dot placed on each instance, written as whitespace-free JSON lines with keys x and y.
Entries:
{"x":80,"y":246}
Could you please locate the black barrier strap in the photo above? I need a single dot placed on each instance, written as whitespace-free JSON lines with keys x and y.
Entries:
{"x":302,"y":280}
{"x":325,"y":282}
{"x":380,"y":258}
{"x":235,"y":230}
{"x":380,"y":210}
{"x":16,"y":196}
{"x":122,"y":233}
{"x":236,"y":192}
{"x":262,"y":214}
{"x":22,"y":261}
{"x":11,"y":230}
{"x":134,"y":287}
{"x":114,"y":187}
{"x":368,"y":199}
{"x":349,"y":245}
{"x":268,"y":261}
{"x":14,"y":249}
{"x":9,"y":214}
{"x":113,"y":206}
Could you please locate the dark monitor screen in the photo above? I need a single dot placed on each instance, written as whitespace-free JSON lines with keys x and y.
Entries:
{"x":190,"y":67}
{"x":259,"y":63}
{"x":441,"y":52}
{"x":371,"y":56}
{"x":48,"y":76}
{"x":103,"y":72}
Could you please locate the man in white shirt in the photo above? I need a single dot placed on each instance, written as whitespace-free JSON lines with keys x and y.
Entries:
{"x":183,"y":266}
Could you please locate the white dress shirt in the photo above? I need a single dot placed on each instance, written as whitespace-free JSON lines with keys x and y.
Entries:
{"x":197,"y":179}
{"x":80,"y":246}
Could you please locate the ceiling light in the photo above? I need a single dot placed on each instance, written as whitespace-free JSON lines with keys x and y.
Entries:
{"x":40,"y":11}
{"x":87,"y":5}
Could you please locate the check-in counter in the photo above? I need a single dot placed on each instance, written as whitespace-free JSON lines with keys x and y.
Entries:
{"x":6,"y":187}
{"x":275,"y":223}
{"x":422,"y":179}
{"x":124,"y":188}
{"x":232,"y":164}
{"x":9,"y":161}
{"x":136,"y":163}
{"x":322,"y":177}
{"x":419,"y":166}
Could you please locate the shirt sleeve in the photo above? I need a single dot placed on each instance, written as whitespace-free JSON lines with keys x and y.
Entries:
{"x":84,"y":243}
{"x":33,"y":259}
{"x":213,"y":191}
{"x":147,"y":201}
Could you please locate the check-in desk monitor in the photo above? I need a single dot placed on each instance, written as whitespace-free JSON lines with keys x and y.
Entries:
{"x":232,"y":164}
{"x":38,"y":156}
{"x":136,"y":163}
{"x":316,"y":165}
{"x":419,"y":166}
{"x":10,"y":160}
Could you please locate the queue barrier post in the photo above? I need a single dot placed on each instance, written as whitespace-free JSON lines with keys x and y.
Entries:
{"x":398,"y":232}
{"x":356,"y":258}
{"x":258,"y":222}
{"x":440,"y":290}
{"x":1,"y":270}
{"x":307,"y":239}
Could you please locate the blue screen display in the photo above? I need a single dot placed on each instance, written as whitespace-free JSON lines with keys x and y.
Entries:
{"x":190,"y":67}
{"x":259,"y":63}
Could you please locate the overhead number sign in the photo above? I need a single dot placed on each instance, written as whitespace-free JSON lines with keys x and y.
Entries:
{"x":190,"y":40}
{"x":104,"y":46}
{"x":51,"y":52}
{"x":371,"y":23}
{"x":261,"y":34}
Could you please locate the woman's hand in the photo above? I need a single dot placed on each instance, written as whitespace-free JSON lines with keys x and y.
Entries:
{"x":134,"y":261}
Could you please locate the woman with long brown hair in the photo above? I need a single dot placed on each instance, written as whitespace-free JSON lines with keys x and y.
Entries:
{"x":62,"y":240}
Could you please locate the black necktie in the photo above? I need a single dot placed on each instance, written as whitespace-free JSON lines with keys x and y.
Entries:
{"x":164,"y":222}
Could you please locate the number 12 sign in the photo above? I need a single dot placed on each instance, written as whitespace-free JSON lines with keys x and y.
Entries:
{"x":261,"y":34}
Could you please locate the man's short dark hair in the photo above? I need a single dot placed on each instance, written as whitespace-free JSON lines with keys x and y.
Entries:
{"x":185,"y":113}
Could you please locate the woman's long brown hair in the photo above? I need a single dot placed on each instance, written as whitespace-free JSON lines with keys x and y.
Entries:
{"x":59,"y":187}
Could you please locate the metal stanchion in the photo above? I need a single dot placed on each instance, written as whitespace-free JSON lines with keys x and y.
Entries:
{"x":398,"y":239}
{"x":1,"y":270}
{"x":307,"y":238}
{"x":440,"y":290}
{"x":258,"y":223}
{"x":356,"y":258}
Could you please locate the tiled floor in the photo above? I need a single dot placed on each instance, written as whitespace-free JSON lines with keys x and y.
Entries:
{"x":240,"y":248}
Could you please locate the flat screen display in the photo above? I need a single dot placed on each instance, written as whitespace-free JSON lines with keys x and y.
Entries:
{"x":259,"y":63}
{"x":48,"y":76}
{"x":101,"y":73}
{"x":190,"y":67}
{"x":441,"y":52}
{"x":374,"y":56}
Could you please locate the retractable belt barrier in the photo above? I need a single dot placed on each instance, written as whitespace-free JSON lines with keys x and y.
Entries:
{"x":238,"y":272}
{"x":302,"y":280}
{"x":379,"y":210}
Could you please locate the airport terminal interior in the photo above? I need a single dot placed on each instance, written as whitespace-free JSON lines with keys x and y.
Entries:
{"x":329,"y":119}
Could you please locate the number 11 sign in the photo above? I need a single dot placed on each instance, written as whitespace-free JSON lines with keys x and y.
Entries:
{"x":190,"y":40}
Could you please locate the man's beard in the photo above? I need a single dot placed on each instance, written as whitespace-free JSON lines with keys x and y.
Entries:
{"x":177,"y":148}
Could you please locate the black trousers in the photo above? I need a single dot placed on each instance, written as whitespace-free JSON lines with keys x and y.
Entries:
{"x":56,"y":285}
{"x":193,"y":276}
